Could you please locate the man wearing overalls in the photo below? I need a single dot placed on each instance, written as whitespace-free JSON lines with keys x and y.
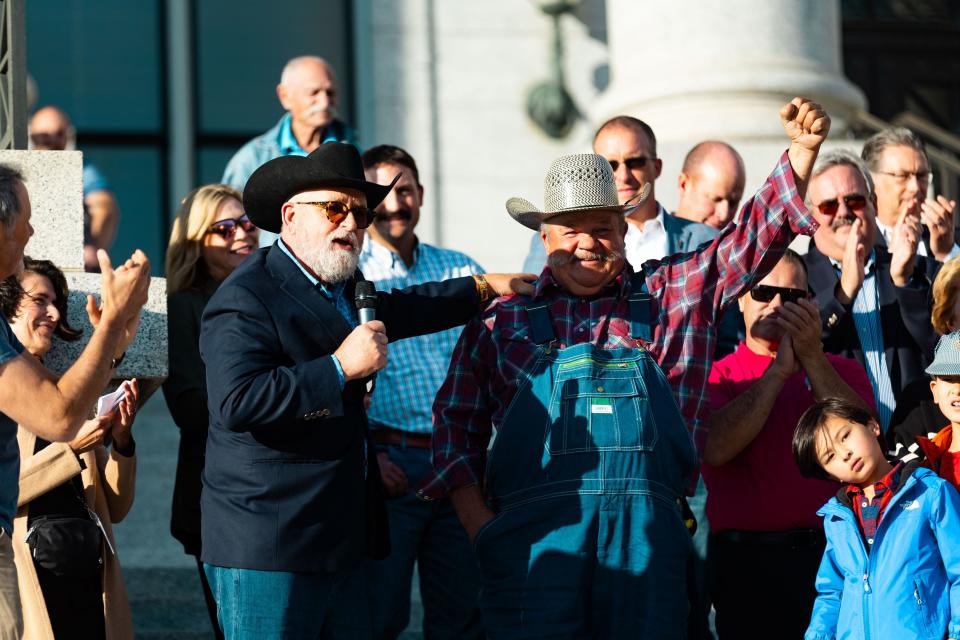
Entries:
{"x":592,"y":383}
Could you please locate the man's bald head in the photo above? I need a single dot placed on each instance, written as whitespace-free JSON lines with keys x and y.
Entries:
{"x":308,"y":90}
{"x":297,"y":67}
{"x":51,"y":129}
{"x":711,"y":184}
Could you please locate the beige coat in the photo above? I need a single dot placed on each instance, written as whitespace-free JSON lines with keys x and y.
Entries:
{"x":108,"y":482}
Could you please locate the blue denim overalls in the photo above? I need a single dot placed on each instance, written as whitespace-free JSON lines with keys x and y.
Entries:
{"x":585,"y":474}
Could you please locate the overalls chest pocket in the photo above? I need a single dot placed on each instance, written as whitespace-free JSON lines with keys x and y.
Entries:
{"x":603,"y":413}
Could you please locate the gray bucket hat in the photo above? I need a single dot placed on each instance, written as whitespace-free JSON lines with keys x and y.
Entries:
{"x":946,"y":357}
{"x":579,"y":182}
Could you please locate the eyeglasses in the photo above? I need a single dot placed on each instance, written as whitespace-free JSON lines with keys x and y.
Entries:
{"x":855,"y":202}
{"x":227,"y":228}
{"x":766,"y":293}
{"x":337,"y":211}
{"x":921,"y":176}
{"x":52,"y":139}
{"x":632,"y":164}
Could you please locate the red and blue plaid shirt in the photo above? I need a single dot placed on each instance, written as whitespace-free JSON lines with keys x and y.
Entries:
{"x":691,"y":289}
{"x":870,"y":512}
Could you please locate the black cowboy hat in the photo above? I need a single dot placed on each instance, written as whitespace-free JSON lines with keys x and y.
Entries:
{"x":332,"y":165}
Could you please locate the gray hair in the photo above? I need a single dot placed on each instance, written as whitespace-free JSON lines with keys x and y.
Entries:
{"x":843,"y":158}
{"x":9,"y":201}
{"x":894,"y":137}
{"x":294,"y":64}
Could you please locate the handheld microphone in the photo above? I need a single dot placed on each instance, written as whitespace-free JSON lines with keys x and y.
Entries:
{"x":365,"y":297}
{"x":366,"y":301}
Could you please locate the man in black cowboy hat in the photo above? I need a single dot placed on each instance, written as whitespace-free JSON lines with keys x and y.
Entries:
{"x":292,"y":498}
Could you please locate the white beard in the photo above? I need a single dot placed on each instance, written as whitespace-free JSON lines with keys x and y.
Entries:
{"x":332,"y":264}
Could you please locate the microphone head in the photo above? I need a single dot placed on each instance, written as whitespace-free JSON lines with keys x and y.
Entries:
{"x":365,"y":295}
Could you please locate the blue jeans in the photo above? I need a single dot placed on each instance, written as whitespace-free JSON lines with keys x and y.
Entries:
{"x":275,"y":605}
{"x":430,"y":535}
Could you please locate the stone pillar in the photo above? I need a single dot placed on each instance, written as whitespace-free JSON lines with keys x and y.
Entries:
{"x":54,"y":180}
{"x":696,"y":70}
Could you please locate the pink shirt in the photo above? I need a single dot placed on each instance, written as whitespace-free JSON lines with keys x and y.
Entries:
{"x":762,"y":489}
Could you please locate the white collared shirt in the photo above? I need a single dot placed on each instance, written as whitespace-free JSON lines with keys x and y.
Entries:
{"x":650,"y":243}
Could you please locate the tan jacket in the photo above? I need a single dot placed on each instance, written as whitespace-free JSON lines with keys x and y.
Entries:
{"x":108,"y":482}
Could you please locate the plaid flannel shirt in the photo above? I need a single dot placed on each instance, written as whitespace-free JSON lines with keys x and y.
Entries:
{"x":870,"y":512}
{"x":691,"y":290}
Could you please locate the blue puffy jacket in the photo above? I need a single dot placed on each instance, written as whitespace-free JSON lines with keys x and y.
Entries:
{"x":909,"y":584}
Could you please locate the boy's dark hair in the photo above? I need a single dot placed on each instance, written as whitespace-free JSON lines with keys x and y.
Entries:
{"x":811,"y":422}
{"x":389,"y":154}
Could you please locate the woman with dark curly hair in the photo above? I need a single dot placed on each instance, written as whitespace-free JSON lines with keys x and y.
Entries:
{"x":70,"y":493}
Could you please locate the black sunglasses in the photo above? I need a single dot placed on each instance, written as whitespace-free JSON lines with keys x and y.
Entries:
{"x":632,"y":164}
{"x":766,"y":293}
{"x":855,"y":202}
{"x":227,"y":229}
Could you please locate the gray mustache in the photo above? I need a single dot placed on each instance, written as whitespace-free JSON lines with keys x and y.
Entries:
{"x":558,"y":259}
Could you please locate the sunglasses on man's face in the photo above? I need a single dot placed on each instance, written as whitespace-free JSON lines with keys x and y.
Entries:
{"x":632,"y":164}
{"x":766,"y":293}
{"x":337,"y":211}
{"x":227,"y":229}
{"x":854,"y":202}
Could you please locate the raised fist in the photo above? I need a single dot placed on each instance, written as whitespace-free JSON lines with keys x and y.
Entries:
{"x":806,"y":122}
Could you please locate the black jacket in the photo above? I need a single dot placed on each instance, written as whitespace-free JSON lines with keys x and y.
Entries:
{"x":285,"y":487}
{"x":185,"y":391}
{"x":908,"y":337}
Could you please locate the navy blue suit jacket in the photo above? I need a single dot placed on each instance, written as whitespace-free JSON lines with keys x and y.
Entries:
{"x":286,"y":484}
{"x":908,"y":337}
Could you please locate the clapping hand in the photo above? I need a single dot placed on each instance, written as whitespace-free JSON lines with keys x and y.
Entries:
{"x":852,"y":268}
{"x":123,"y":294}
{"x":91,"y":434}
{"x":937,"y":215}
{"x":903,"y":252}
{"x":122,"y":417}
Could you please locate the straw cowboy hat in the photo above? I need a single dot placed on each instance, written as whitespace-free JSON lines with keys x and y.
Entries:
{"x":334,"y":165}
{"x":579,"y":182}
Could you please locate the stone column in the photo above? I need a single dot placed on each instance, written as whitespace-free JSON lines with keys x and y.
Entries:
{"x":696,"y":70}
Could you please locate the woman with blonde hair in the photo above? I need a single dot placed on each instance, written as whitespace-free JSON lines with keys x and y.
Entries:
{"x":211,"y":236}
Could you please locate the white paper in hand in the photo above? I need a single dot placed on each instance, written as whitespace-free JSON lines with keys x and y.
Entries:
{"x":106,"y":404}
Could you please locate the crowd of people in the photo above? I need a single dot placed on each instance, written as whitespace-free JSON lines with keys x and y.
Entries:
{"x":671,"y":425}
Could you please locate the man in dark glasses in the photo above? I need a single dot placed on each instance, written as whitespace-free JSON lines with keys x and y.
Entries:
{"x":293,"y":499}
{"x":873,"y":296}
{"x":51,"y":130}
{"x":630,"y":146}
{"x":757,"y":395}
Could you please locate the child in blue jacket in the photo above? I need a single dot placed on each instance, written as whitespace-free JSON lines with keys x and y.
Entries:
{"x":891,"y":568}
